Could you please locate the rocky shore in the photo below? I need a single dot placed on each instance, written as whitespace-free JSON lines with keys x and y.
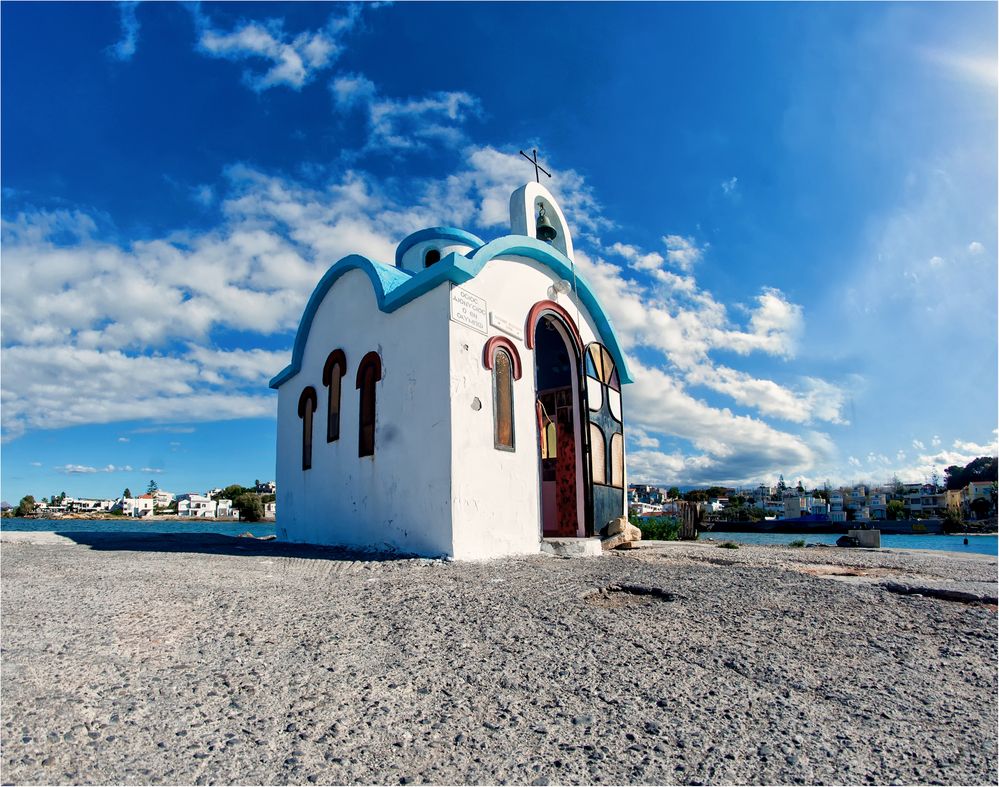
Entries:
{"x":190,"y":659}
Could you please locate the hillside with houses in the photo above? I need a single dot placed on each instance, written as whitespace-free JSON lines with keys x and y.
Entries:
{"x":230,"y":503}
{"x":966,"y":494}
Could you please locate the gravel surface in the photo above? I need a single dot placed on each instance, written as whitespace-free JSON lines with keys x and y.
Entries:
{"x":220,"y":660}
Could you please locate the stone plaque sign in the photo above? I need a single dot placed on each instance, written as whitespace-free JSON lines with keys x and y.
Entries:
{"x":505,"y":325}
{"x":469,"y":310}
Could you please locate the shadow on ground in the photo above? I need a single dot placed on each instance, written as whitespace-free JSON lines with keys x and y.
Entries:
{"x":217,"y":544}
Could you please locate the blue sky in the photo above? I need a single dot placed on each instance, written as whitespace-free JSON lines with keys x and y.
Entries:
{"x":789,"y":210}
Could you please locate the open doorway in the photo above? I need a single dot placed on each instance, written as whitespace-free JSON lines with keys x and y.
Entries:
{"x":556,"y":368}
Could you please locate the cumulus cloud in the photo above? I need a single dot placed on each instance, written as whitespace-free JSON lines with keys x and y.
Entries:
{"x":405,"y":124}
{"x":125,"y":47}
{"x":976,"y":248}
{"x":682,"y":252}
{"x":71,"y":469}
{"x":816,"y":400}
{"x":290,"y":60}
{"x":961,"y":452}
{"x":72,"y":355}
{"x":728,"y":448}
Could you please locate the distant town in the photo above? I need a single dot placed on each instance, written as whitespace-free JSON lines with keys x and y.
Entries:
{"x":233,"y":502}
{"x":964,"y":494}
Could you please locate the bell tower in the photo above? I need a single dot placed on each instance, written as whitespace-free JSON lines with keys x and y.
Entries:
{"x":535,"y":213}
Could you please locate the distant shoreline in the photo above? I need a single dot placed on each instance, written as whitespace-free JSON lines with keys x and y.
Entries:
{"x":103,"y":517}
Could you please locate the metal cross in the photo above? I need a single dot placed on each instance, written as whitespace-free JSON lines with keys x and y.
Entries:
{"x":537,"y":166}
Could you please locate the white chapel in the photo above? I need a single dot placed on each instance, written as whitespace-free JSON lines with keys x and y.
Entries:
{"x":464,"y":401}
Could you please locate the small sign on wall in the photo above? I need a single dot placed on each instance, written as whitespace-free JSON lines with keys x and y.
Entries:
{"x":505,"y":325}
{"x":469,"y":310}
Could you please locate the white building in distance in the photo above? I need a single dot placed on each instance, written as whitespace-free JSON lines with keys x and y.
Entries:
{"x":465,"y":401}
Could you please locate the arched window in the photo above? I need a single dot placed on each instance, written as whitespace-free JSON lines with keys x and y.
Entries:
{"x":306,"y":408}
{"x":432,"y":256}
{"x":368,"y":373}
{"x":501,"y":357}
{"x":503,"y":401}
{"x":333,"y":372}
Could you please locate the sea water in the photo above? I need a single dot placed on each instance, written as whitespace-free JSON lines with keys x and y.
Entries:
{"x":984,"y":545}
{"x":222,"y":526}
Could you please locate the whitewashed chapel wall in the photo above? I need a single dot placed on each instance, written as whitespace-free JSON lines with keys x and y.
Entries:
{"x":496,"y":495}
{"x":400,"y":497}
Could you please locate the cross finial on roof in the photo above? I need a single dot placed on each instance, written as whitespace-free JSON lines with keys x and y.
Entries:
{"x":537,"y":167}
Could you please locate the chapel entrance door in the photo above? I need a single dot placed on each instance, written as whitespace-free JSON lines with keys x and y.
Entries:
{"x":557,"y":380}
{"x":606,"y":436}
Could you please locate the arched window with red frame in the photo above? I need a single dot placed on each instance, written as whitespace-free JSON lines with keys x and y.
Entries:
{"x":369,"y":372}
{"x":500,"y":356}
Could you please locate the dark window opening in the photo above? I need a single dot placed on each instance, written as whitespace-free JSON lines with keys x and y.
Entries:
{"x":503,"y":400}
{"x":333,"y":372}
{"x":368,"y":373}
{"x":433,"y":255}
{"x":306,"y":409}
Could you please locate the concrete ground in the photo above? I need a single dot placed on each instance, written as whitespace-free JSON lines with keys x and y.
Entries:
{"x":191,"y":659}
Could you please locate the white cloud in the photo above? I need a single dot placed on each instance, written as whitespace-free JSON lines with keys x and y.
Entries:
{"x":980,"y":70}
{"x":203,"y":194}
{"x":918,"y":445}
{"x":72,"y":355}
{"x":35,"y":464}
{"x":52,"y":386}
{"x":86,"y":469}
{"x":730,"y":186}
{"x":125,"y":47}
{"x":728,"y":448}
{"x":936,"y":261}
{"x":123,"y":440}
{"x":405,"y":124}
{"x":152,"y":470}
{"x":686,"y":323}
{"x":976,"y":248}
{"x":682,"y":252}
{"x":640,"y":438}
{"x":961,"y":453}
{"x":640,"y":261}
{"x":291,"y":60}
{"x":935,"y":441}
{"x":818,"y":399}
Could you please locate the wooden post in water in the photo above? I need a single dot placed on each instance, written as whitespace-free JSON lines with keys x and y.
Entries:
{"x":690,"y":520}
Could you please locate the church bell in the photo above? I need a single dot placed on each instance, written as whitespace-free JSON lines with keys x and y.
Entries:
{"x":546,"y":231}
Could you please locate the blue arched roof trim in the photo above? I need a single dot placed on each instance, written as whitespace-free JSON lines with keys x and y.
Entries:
{"x":395,"y":287}
{"x":436,"y":233}
{"x":523,"y":246}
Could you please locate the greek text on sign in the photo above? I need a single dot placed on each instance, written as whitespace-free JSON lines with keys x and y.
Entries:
{"x":470,"y":310}
{"x":505,"y":325}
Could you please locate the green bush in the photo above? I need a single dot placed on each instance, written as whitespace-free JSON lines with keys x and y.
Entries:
{"x":250,"y":507}
{"x":728,"y":545}
{"x":666,"y":528}
{"x":798,"y":542}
